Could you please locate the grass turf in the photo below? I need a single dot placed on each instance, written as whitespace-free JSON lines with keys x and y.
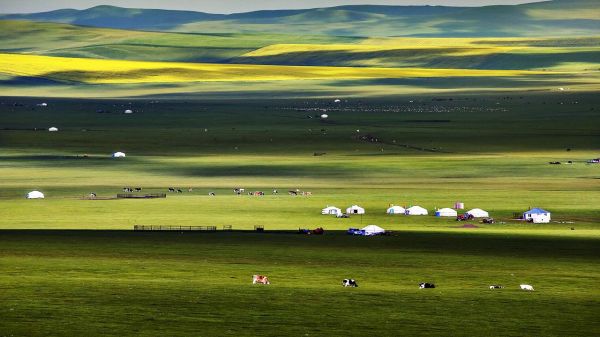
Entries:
{"x":124,"y":283}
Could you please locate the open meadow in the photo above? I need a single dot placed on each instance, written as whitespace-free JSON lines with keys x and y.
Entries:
{"x":64,"y":276}
{"x":353,"y":105}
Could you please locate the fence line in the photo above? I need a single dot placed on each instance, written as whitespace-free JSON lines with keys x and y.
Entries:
{"x":174,"y":228}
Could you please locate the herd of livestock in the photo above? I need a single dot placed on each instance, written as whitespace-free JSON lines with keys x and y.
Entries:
{"x":349,"y":282}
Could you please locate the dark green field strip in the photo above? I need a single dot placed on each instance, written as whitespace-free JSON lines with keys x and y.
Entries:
{"x":125,"y":283}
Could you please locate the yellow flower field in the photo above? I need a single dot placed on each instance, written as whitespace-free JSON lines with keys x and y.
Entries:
{"x":83,"y":70}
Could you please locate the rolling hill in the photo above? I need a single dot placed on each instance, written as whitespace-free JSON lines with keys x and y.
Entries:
{"x":549,"y":18}
{"x":56,"y":39}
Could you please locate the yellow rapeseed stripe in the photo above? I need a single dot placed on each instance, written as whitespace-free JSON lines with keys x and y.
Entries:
{"x":450,"y":50}
{"x":118,"y":71}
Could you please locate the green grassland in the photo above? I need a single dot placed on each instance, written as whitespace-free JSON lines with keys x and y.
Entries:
{"x":72,"y":266}
{"x":489,"y":151}
{"x":98,"y":283}
{"x":62,"y":275}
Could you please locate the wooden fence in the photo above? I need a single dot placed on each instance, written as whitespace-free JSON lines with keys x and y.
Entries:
{"x":153,"y":228}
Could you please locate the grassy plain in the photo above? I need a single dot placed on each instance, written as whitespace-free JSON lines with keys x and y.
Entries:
{"x":489,"y":151}
{"x":98,"y":283}
{"x":470,"y":123}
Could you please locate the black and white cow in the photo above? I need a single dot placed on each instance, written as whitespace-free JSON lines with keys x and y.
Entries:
{"x":496,"y":286}
{"x":348,"y":282}
{"x":426,"y":285}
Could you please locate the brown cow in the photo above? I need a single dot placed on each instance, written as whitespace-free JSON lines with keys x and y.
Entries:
{"x":260,"y":279}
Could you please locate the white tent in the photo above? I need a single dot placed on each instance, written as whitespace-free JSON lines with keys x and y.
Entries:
{"x":537,"y":215}
{"x":478,"y":213}
{"x":396,"y":210}
{"x":331,"y":210}
{"x":416,"y":210}
{"x":373,"y":230}
{"x":337,"y":100}
{"x":355,"y":209}
{"x":446,"y":212}
{"x":53,"y":129}
{"x":324,"y":116}
{"x":128,"y":111}
{"x":118,"y":155}
{"x":35,"y":195}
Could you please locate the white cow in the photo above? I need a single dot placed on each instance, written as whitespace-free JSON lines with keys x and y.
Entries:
{"x":527,"y":287}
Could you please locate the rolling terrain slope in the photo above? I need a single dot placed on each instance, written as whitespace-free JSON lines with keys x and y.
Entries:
{"x":558,"y":18}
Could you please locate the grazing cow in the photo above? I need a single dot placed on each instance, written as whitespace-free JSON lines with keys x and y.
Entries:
{"x":426,"y":285}
{"x":526,"y":287}
{"x":292,"y":193}
{"x":190,"y":189}
{"x":308,"y":193}
{"x":179,"y":190}
{"x":171,"y":189}
{"x":495,"y":286}
{"x":275,"y":192}
{"x":92,"y":195}
{"x":138,"y":189}
{"x":212,"y":194}
{"x":260,"y":279}
{"x":349,"y":283}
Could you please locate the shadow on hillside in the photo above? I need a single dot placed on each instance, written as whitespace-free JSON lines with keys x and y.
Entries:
{"x":463,"y":82}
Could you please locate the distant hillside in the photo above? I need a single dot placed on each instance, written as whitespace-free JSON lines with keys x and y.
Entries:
{"x":58,"y":39}
{"x":549,"y":18}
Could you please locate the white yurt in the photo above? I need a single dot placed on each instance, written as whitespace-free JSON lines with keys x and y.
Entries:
{"x":416,"y":210}
{"x":324,"y":116}
{"x":118,"y":155}
{"x":373,"y":230}
{"x":537,"y":215}
{"x":128,"y":111}
{"x":53,"y":129}
{"x":35,"y":195}
{"x":331,"y":210}
{"x":446,"y":212}
{"x":396,"y":210}
{"x":478,"y":213}
{"x":355,"y":209}
{"x":337,"y":100}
